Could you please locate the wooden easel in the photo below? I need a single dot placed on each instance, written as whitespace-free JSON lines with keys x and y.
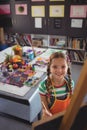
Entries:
{"x":67,"y":118}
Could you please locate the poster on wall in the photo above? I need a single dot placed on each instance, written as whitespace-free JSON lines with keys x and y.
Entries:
{"x":5,"y":9}
{"x":56,"y":11}
{"x":76,"y":23}
{"x":38,"y":11}
{"x":21,"y":9}
{"x":78,"y":11}
{"x":38,"y":22}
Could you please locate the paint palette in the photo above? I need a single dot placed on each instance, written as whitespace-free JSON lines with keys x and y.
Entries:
{"x":31,"y":82}
{"x":41,"y":62}
{"x":17,"y":78}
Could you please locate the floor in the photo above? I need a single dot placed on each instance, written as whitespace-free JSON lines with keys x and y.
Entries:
{"x":7,"y":123}
{"x":75,"y":71}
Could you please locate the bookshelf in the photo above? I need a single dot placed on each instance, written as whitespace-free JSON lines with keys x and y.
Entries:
{"x":75,"y":46}
{"x":40,"y":40}
{"x":57,"y":41}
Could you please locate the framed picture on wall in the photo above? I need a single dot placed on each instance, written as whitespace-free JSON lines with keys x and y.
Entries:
{"x":5,"y":9}
{"x":78,"y":11}
{"x":56,"y":11}
{"x":21,"y":9}
{"x":76,"y":23}
{"x":38,"y":11}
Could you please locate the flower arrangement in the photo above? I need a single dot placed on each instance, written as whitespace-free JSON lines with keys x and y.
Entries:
{"x":15,"y":61}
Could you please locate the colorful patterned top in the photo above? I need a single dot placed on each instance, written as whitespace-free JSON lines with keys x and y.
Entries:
{"x":61,"y":92}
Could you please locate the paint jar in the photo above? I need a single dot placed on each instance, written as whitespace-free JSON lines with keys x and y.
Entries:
{"x":31,"y":55}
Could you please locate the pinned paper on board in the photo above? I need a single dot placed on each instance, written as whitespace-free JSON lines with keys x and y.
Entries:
{"x":78,"y":11}
{"x":76,"y":23}
{"x":38,"y":22}
{"x":56,"y":11}
{"x":21,"y":9}
{"x":38,"y":11}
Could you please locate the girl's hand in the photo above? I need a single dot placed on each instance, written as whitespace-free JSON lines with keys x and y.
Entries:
{"x":48,"y":113}
{"x":45,"y":110}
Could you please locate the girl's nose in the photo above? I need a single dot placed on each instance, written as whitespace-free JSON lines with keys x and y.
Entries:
{"x":59,"y":69}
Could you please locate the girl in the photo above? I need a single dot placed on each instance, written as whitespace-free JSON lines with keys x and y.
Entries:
{"x":56,"y":90}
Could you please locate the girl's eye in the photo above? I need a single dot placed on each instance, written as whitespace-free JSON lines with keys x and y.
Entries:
{"x":63,"y":67}
{"x":54,"y":67}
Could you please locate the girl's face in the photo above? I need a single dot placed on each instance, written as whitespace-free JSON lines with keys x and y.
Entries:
{"x":58,"y":68}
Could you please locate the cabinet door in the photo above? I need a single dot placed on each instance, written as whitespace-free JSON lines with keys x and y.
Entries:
{"x":20,"y":19}
{"x":20,"y":25}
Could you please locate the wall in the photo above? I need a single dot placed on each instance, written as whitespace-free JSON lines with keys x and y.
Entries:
{"x":26,"y":23}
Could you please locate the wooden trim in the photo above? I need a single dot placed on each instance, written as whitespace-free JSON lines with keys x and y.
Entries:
{"x":42,"y":121}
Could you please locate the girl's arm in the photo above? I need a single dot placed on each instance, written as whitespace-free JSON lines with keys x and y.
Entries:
{"x":45,"y":105}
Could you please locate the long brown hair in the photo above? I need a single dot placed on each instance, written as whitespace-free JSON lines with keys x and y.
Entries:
{"x":48,"y":81}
